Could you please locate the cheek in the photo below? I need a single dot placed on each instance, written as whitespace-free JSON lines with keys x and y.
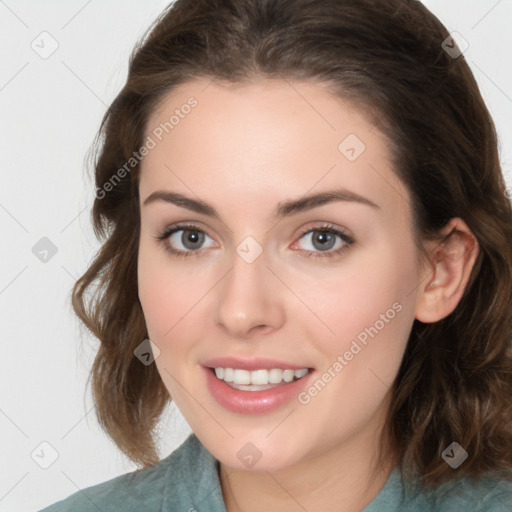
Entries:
{"x":367,"y":314}
{"x":368,"y":296}
{"x":371,"y":316}
{"x":360,"y":364}
{"x":171,"y":294}
{"x":371,"y":305}
{"x":163,"y":293}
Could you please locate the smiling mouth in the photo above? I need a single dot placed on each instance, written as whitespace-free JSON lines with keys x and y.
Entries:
{"x":258,"y":380}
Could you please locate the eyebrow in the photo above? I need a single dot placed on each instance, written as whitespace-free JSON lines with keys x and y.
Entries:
{"x":287,"y":208}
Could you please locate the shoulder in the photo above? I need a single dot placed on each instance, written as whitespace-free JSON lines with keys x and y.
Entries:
{"x":490,"y":493}
{"x":487,"y":494}
{"x":172,"y":482}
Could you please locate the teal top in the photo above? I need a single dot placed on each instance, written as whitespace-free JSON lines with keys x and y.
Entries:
{"x":188,"y":481}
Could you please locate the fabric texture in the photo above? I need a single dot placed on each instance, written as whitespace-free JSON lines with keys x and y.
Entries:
{"x":187,"y":481}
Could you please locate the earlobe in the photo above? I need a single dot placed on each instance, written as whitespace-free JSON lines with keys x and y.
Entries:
{"x":451,"y":262}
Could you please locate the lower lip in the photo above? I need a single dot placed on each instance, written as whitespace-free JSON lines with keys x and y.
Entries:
{"x":254,"y":402}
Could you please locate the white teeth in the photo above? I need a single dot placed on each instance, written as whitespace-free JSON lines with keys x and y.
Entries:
{"x":242,"y":377}
{"x":259,"y":377}
{"x":288,"y":375}
{"x":275,"y":376}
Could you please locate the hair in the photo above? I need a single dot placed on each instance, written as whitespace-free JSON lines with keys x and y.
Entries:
{"x":455,"y":379}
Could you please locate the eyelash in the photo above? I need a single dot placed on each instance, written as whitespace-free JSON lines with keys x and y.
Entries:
{"x":324,"y":228}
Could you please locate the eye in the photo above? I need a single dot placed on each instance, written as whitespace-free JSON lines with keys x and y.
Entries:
{"x":325,"y":241}
{"x":183,"y":240}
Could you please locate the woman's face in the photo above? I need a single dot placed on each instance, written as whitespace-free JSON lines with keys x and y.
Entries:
{"x":268,"y":279}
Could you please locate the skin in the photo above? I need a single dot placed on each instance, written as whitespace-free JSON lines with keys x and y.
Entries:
{"x":245,"y":150}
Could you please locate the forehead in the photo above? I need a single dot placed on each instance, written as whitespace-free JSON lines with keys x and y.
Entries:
{"x":263,"y":142}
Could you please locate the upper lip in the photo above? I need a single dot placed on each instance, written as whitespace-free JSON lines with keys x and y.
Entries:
{"x":251,"y":364}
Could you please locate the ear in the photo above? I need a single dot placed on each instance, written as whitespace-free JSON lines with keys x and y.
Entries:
{"x":445,"y":278}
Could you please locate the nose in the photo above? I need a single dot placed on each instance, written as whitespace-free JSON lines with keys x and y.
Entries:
{"x":249,"y":301}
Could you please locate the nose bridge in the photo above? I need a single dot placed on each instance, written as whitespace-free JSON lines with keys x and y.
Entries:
{"x":247,"y":298}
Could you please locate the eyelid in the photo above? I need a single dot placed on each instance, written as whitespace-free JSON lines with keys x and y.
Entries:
{"x":179,"y":226}
{"x":324,"y":226}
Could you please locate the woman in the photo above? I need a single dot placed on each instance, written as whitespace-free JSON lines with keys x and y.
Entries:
{"x":308,"y":247}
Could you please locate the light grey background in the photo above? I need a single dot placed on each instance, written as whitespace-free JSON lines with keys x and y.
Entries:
{"x":50,"y":110}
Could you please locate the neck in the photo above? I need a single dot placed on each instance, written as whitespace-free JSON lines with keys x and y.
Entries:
{"x":344,"y":478}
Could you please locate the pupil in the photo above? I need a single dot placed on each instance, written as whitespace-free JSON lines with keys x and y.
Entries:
{"x":324,"y":238}
{"x":192,"y":239}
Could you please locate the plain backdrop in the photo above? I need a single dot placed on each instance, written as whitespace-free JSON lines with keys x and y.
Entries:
{"x":51,"y":107}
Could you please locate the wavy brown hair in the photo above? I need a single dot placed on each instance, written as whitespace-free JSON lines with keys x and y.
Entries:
{"x":386,"y":56}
